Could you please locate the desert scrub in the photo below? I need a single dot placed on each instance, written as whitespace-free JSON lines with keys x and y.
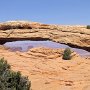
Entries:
{"x":88,"y":27}
{"x":67,"y":54}
{"x":10,"y":80}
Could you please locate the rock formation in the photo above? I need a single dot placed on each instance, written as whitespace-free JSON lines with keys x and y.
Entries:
{"x":75,"y":36}
{"x":48,"y":71}
{"x":44,"y":66}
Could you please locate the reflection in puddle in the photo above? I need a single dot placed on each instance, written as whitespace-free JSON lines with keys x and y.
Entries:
{"x":26,"y":45}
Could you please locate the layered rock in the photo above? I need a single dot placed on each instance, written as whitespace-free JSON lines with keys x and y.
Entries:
{"x":48,"y":71}
{"x":75,"y":36}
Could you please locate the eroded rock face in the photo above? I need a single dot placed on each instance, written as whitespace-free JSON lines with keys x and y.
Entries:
{"x":76,"y":36}
{"x":48,"y":71}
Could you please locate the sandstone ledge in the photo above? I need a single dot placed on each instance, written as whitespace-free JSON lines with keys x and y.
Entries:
{"x":75,"y":36}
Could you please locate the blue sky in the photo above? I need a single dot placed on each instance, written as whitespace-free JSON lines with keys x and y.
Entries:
{"x":46,"y":11}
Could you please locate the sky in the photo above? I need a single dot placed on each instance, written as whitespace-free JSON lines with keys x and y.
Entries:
{"x":69,"y":12}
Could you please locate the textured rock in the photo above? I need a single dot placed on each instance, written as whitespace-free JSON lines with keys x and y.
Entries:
{"x":47,"y":71}
{"x":44,"y":66}
{"x":75,"y":36}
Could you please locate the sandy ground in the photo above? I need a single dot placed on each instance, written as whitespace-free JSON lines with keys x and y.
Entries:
{"x":47,"y":71}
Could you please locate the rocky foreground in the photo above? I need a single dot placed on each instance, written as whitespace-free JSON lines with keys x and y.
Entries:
{"x":75,"y":36}
{"x":44,"y":66}
{"x":48,"y":71}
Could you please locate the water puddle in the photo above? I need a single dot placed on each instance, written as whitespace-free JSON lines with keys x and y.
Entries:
{"x":24,"y":46}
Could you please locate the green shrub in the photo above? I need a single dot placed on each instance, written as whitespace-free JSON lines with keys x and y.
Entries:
{"x":67,"y":54}
{"x":88,"y":26}
{"x":10,"y":80}
{"x":3,"y":66}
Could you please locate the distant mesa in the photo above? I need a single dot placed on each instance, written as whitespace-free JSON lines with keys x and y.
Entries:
{"x":29,"y":47}
{"x":15,"y":49}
